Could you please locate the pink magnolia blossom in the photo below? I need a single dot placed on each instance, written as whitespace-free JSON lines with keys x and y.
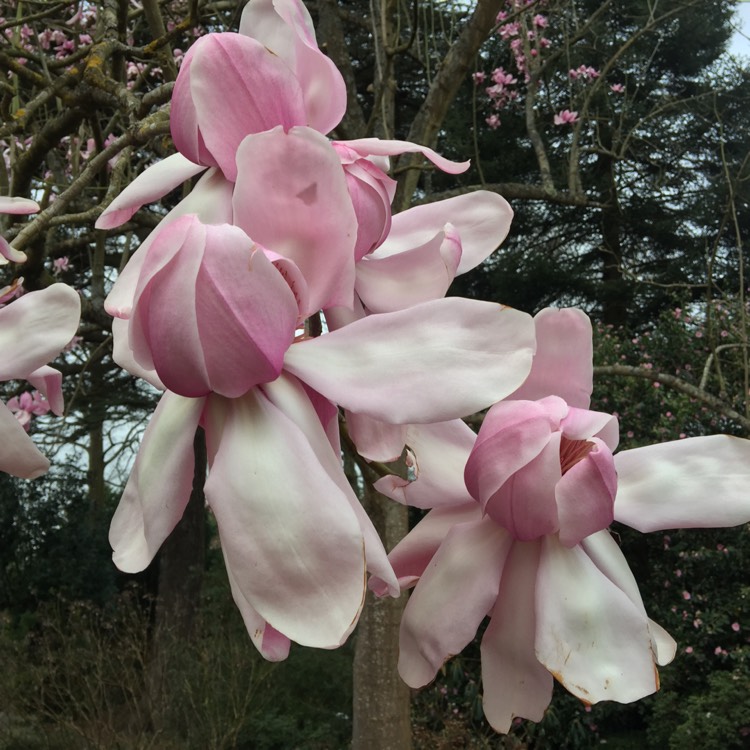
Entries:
{"x":493,"y":121}
{"x":29,"y":404}
{"x":565,"y":117}
{"x":617,"y":88}
{"x":221,"y":340}
{"x":527,"y":544}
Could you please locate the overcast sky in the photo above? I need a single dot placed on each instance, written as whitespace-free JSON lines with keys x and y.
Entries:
{"x":740,"y":43}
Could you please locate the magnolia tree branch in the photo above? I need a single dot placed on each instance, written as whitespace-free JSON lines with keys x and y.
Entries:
{"x":679,"y":385}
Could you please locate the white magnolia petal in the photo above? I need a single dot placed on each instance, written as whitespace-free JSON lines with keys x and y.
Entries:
{"x":590,"y":635}
{"x":289,"y":535}
{"x":19,"y":457}
{"x":433,"y":362}
{"x":665,"y":645}
{"x":11,"y":204}
{"x":148,"y":187}
{"x":440,"y":451}
{"x":456,"y":592}
{"x":514,"y":683}
{"x":159,"y":486}
{"x":698,"y":482}
{"x":376,"y":440}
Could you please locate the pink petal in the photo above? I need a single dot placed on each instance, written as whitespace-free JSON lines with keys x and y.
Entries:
{"x":35,"y":328}
{"x":418,"y":275}
{"x":376,"y":440}
{"x":211,"y":312}
{"x":319,"y":228}
{"x":159,"y":485}
{"x":378,"y":365}
{"x":295,"y":550}
{"x":149,"y":187}
{"x":513,"y":434}
{"x":441,"y":451}
{"x":210,"y":200}
{"x":582,"y":424}
{"x":271,"y":644}
{"x":18,"y":206}
{"x":698,"y":482}
{"x":481,"y":220}
{"x":455,"y":593}
{"x":9,"y":253}
{"x":285,"y":27}
{"x":19,"y":457}
{"x":237,"y":87}
{"x":513,"y":681}
{"x":563,"y":365}
{"x":589,"y":634}
{"x":411,"y":556}
{"x":294,"y":399}
{"x":48,"y":381}
{"x":586,"y":495}
{"x":122,"y":354}
{"x":378,"y":147}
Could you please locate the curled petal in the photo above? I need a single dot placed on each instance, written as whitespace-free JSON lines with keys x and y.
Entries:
{"x":481,"y":220}
{"x":48,"y":381}
{"x":149,"y":187}
{"x":285,"y":27}
{"x":123,"y":354}
{"x":418,"y":275}
{"x":377,"y":365}
{"x":378,"y":147}
{"x":8,"y":253}
{"x":698,"y":482}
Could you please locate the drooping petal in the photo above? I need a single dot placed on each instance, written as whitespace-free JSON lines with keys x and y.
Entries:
{"x":411,"y":556}
{"x":697,"y":482}
{"x":387,"y":365}
{"x":19,"y":457}
{"x":271,"y":644}
{"x":457,"y":590}
{"x":563,"y":365}
{"x":583,"y":424}
{"x":418,"y":275}
{"x":35,"y":328}
{"x":441,"y":451}
{"x":210,"y":200}
{"x":590,"y":635}
{"x":285,"y":27}
{"x":605,"y":553}
{"x":379,"y":147}
{"x":148,"y":187}
{"x":289,"y":535}
{"x":294,"y":399}
{"x":585,"y":495}
{"x":319,"y":227}
{"x":514,"y":683}
{"x":48,"y":381}
{"x":481,"y":219}
{"x":159,"y":485}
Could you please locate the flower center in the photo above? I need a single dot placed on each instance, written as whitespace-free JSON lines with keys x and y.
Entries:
{"x":573,"y":451}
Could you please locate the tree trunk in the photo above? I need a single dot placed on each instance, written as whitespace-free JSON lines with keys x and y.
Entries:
{"x":381,"y":710}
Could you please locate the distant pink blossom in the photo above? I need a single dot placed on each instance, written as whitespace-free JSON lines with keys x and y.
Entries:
{"x":617,"y":88}
{"x":540,"y":21}
{"x":566,"y":117}
{"x":736,"y":627}
{"x":686,"y":595}
{"x":60,"y":264}
{"x":493,"y":121}
{"x":479,"y":77}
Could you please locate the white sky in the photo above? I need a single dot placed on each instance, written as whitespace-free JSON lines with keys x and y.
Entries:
{"x":740,"y":43}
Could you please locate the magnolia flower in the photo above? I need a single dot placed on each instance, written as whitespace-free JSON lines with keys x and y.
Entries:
{"x":527,"y":544}
{"x":213,"y":319}
{"x":566,"y":117}
{"x":29,"y":404}
{"x":33,"y":330}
